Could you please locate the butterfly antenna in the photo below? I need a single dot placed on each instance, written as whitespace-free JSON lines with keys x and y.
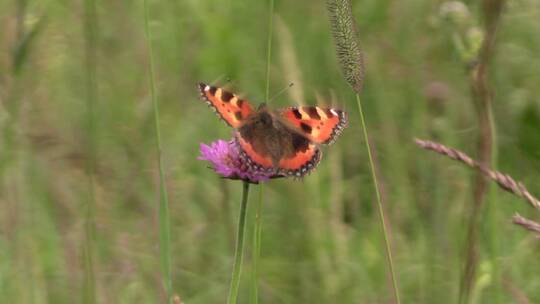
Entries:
{"x":280,"y":92}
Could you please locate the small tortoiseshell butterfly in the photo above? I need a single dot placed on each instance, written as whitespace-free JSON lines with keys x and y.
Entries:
{"x":284,"y":142}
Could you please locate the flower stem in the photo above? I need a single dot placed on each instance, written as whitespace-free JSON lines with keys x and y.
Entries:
{"x":239,"y":251}
{"x":164,"y":224}
{"x":379,"y":203}
{"x":257,"y":248}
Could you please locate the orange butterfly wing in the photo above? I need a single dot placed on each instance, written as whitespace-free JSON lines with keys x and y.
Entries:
{"x":231,"y":108}
{"x":302,"y":162}
{"x":254,"y":158}
{"x":320,"y":125}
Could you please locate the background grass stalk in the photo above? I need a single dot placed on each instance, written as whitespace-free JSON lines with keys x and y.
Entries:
{"x":239,"y":250}
{"x":390,"y":261}
{"x":487,"y":154}
{"x":90,"y":34}
{"x":164,"y":221}
{"x":258,"y":212}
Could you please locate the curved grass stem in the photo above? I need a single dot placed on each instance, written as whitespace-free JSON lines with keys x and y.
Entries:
{"x":239,"y":250}
{"x":379,"y":203}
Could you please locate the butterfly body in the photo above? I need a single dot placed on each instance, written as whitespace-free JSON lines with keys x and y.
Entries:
{"x":272,"y":137}
{"x":284,"y":142}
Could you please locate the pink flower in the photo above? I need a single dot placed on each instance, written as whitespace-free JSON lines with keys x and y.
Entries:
{"x":226,"y":161}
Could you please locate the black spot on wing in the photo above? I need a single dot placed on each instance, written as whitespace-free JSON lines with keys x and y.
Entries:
{"x":226,"y":96}
{"x":300,"y":143}
{"x":238,"y":115}
{"x":312,"y":112}
{"x":305,"y":127}
{"x":212,"y":91}
{"x":297,"y":114}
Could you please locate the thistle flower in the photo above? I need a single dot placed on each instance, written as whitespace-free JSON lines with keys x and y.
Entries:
{"x":227,"y":162}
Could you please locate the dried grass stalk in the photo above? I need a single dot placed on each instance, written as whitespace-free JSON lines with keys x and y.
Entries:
{"x":347,"y":42}
{"x":526,"y":223}
{"x":505,"y":181}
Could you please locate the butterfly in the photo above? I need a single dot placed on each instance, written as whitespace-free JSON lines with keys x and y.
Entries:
{"x":283,"y":142}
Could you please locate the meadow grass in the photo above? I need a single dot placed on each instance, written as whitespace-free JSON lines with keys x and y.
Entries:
{"x":321,"y":240}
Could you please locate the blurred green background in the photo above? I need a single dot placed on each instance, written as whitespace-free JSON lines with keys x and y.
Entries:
{"x":321,"y":240}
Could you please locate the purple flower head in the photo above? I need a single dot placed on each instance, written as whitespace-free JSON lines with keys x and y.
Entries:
{"x":227,"y":162}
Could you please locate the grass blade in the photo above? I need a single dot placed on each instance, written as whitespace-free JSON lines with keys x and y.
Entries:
{"x":164,"y":224}
{"x":258,"y":212}
{"x":380,"y":209}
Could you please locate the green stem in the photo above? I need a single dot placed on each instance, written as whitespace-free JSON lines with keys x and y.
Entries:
{"x":239,"y":251}
{"x":493,"y":215}
{"x":483,"y":98}
{"x":269,"y":50}
{"x":379,"y":202}
{"x":257,"y":247}
{"x":492,"y":211}
{"x":90,"y":33}
{"x":258,"y":212}
{"x":164,"y":224}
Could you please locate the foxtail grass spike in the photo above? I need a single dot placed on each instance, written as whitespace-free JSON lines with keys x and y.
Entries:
{"x":346,"y":40}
